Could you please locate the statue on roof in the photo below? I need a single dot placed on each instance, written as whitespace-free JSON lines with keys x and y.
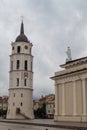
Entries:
{"x":68,"y":52}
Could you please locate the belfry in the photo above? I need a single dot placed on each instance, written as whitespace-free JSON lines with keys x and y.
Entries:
{"x":20,"y":105}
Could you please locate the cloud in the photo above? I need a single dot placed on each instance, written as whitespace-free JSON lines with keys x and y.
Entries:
{"x":51,"y":25}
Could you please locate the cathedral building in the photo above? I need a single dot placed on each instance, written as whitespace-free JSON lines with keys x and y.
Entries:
{"x":20,"y":104}
{"x":71,"y":90}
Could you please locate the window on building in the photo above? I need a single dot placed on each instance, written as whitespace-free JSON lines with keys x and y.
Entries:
{"x":25,"y":65}
{"x":17,"y":64}
{"x":31,"y":66}
{"x":48,"y":111}
{"x":30,"y":50}
{"x":13,"y":48}
{"x":11,"y":65}
{"x":25,"y":82}
{"x":14,"y":94}
{"x":13,"y":104}
{"x":21,"y":104}
{"x":21,"y":94}
{"x":18,"y":49}
{"x":17,"y":81}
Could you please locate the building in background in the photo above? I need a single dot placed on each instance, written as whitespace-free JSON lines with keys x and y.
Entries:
{"x":4,"y":103}
{"x":20,"y":105}
{"x":35,"y":104}
{"x":50,"y":106}
{"x":45,"y":106}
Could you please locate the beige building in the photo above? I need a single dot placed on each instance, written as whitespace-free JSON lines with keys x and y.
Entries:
{"x":4,"y":103}
{"x":20,"y":105}
{"x":1,"y":104}
{"x":71,"y":91}
{"x":35,"y":104}
{"x":49,"y":101}
{"x":50,"y":108}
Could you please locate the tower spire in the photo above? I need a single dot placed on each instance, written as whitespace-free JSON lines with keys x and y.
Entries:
{"x":22,"y":27}
{"x":22,"y":37}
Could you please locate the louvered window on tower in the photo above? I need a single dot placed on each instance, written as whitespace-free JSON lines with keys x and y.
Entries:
{"x":18,"y":49}
{"x":17,"y":81}
{"x":11,"y":65}
{"x":18,"y":64}
{"x":25,"y":66}
{"x":31,"y":66}
{"x":25,"y":82}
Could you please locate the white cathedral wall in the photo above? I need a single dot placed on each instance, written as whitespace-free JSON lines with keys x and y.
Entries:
{"x":71,"y":104}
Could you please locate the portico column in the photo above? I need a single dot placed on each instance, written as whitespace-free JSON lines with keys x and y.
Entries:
{"x":74,"y":97}
{"x":63,"y":100}
{"x":84,"y":96}
{"x":56,"y":100}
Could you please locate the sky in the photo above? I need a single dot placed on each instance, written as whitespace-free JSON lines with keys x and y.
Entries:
{"x":51,"y":26}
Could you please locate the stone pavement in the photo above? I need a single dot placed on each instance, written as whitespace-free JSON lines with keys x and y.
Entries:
{"x":49,"y":123}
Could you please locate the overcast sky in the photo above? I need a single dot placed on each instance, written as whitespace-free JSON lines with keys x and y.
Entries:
{"x":52,"y":26}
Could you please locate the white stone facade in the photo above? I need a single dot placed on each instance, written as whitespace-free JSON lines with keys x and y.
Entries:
{"x":20,"y":105}
{"x":71,"y":91}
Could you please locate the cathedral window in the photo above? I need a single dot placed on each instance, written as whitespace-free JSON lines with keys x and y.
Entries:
{"x":25,"y":82}
{"x":25,"y":65}
{"x":17,"y":64}
{"x":18,"y":49}
{"x":17,"y":81}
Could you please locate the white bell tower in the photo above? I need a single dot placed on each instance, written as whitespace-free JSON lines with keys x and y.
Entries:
{"x":20,"y":105}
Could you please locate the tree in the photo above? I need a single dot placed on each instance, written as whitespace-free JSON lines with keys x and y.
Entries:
{"x":40,"y":112}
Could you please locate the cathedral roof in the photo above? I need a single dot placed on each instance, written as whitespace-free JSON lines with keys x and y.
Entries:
{"x":22,"y":37}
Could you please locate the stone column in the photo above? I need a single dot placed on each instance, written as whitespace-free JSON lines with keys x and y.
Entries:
{"x":63,"y":100}
{"x":56,"y":102}
{"x":74,"y":98}
{"x":84,"y":96}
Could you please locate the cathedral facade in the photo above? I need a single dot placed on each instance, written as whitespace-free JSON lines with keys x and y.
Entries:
{"x":20,"y":105}
{"x":71,"y":91}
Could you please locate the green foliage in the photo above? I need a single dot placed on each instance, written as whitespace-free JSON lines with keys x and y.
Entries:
{"x":3,"y":112}
{"x":40,"y":112}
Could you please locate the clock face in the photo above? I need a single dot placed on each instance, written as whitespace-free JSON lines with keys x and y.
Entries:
{"x":26,"y":47}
